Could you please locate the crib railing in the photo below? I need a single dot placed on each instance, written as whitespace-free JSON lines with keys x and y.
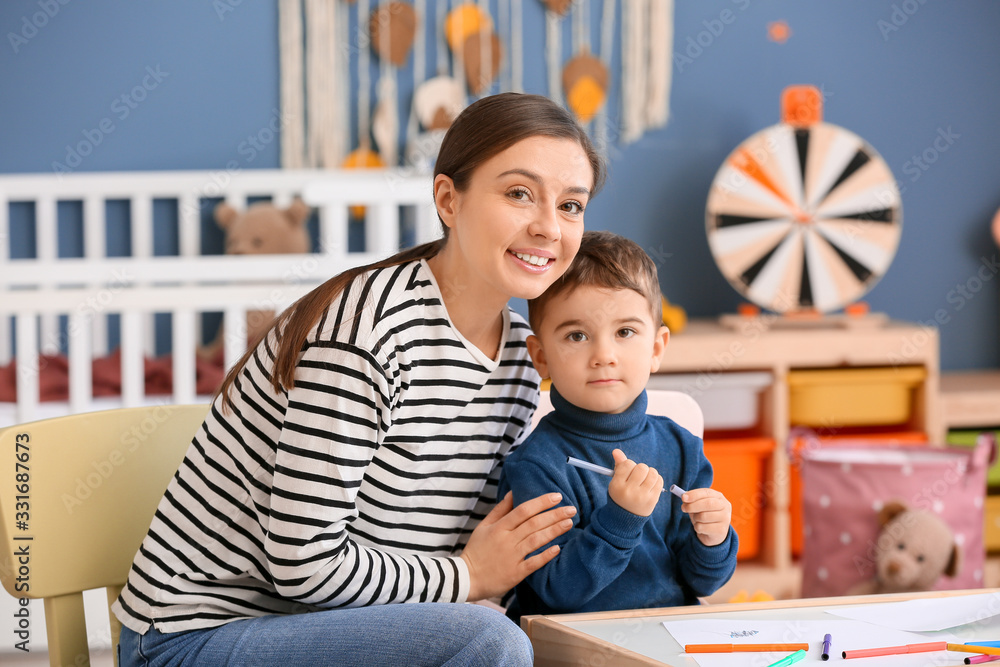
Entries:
{"x":132,"y":304}
{"x":382,"y":192}
{"x":35,"y":293}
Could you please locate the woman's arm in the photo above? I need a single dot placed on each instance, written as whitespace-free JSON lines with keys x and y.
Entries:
{"x":336,"y":415}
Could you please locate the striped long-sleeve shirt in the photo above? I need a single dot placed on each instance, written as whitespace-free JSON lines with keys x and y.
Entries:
{"x":359,"y":486}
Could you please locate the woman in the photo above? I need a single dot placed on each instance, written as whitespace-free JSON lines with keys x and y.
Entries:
{"x":351,"y":456}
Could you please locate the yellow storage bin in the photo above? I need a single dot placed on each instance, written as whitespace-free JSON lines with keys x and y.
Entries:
{"x":991,"y":521}
{"x":853,"y":396}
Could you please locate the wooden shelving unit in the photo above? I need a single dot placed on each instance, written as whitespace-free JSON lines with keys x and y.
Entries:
{"x":970,"y":399}
{"x":766,"y":343}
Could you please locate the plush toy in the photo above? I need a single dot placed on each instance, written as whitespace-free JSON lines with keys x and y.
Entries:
{"x":914,"y":548}
{"x":262,"y":229}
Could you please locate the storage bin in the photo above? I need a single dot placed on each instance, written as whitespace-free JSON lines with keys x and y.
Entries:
{"x":729,"y":401}
{"x":967,"y":438}
{"x":852,"y":396}
{"x":799,"y":445}
{"x":845,"y":487}
{"x":991,"y":523}
{"x":739,"y":466}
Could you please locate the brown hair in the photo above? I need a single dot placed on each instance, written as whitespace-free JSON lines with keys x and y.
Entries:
{"x":483,"y":129}
{"x":604,"y":260}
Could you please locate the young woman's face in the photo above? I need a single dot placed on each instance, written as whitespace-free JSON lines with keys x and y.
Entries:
{"x":518,"y":223}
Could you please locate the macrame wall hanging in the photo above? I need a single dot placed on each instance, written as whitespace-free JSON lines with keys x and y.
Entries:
{"x":478,"y":49}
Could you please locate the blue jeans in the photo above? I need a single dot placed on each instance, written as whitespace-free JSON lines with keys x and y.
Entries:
{"x":397,"y":635}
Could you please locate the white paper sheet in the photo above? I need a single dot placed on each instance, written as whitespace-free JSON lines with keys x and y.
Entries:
{"x":846,"y":634}
{"x":926,"y":615}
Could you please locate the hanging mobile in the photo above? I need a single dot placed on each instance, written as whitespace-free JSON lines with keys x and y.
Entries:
{"x":554,"y":11}
{"x":392,"y":28}
{"x":585,"y":77}
{"x":469,"y":32}
{"x":363,"y":157}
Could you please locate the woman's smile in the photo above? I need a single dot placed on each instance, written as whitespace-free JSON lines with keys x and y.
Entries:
{"x":535,"y":262}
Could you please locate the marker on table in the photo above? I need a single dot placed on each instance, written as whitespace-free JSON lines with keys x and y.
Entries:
{"x":789,"y":660}
{"x":896,"y":650}
{"x":983,"y":648}
{"x":608,"y":472}
{"x":979,"y":659}
{"x":994,"y":644}
{"x":827,"y":639}
{"x":743,"y":648}
{"x":921,"y":648}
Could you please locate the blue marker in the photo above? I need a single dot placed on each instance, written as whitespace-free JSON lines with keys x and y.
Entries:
{"x":827,"y":639}
{"x":992,"y":644}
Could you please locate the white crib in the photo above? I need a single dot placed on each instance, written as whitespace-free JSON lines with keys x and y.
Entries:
{"x":53,"y":305}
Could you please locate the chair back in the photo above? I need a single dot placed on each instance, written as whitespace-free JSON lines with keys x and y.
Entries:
{"x":674,"y":404}
{"x":85,"y":489}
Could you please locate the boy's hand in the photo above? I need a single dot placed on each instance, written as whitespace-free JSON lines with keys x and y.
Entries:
{"x":635,"y":487}
{"x":710,"y":514}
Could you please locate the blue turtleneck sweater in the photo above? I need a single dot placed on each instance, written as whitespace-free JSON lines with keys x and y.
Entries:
{"x":611,"y":558}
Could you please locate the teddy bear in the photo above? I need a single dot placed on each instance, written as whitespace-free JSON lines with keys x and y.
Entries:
{"x":265,"y":229}
{"x":261,"y":229}
{"x":914,"y":548}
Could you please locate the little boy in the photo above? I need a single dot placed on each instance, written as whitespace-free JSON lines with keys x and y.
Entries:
{"x":598,"y":336}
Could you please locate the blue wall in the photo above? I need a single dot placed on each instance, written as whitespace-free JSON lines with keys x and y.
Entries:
{"x":898,"y":73}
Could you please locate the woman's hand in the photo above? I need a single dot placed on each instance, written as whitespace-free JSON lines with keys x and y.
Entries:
{"x":497,"y":549}
{"x":710,"y":514}
{"x":635,"y":487}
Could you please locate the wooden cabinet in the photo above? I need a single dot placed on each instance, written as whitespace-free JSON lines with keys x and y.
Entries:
{"x":970,"y":402}
{"x":710,"y":349}
{"x":970,"y":399}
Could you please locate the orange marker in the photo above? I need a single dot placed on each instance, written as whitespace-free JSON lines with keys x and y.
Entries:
{"x":743,"y":648}
{"x":972,"y":648}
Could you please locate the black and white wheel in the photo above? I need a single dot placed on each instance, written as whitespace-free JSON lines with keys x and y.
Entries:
{"x":803,"y":218}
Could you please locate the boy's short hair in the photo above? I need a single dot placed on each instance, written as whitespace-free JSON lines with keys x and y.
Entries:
{"x":605,"y":260}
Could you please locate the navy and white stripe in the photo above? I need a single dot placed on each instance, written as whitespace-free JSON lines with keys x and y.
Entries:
{"x":358,"y":486}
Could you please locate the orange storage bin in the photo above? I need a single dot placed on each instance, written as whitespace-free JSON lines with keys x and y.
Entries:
{"x":846,"y":437}
{"x":739,"y":465}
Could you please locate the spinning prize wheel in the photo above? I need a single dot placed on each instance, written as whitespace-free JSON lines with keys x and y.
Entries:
{"x":803,"y":216}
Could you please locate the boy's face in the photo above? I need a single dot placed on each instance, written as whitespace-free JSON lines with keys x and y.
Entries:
{"x":599,"y":346}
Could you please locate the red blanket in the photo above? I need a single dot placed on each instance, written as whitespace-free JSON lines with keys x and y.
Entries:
{"x":53,"y":376}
